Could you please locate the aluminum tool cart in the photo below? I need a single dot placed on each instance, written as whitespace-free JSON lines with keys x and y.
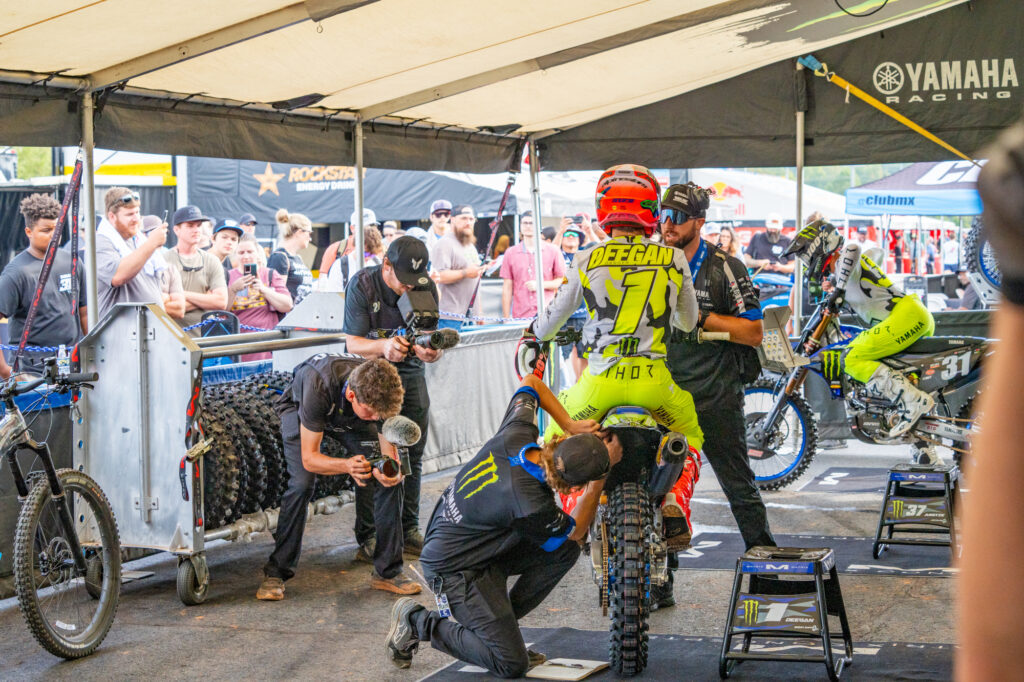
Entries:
{"x":136,"y":433}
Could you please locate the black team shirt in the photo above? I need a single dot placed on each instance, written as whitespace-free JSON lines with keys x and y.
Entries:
{"x":498,"y":500}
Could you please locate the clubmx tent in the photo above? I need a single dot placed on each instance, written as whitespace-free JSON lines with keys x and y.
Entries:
{"x":366,"y":83}
{"x":945,"y":188}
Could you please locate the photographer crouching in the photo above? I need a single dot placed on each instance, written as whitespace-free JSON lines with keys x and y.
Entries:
{"x":498,"y":518}
{"x":382,"y":302}
{"x":344,"y":396}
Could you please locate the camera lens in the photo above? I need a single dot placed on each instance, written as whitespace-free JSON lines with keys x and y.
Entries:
{"x":388,"y":467}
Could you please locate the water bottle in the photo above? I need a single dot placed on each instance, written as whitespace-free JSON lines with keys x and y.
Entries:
{"x":63,"y":361}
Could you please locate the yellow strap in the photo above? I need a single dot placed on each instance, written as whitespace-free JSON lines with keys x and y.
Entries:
{"x":889,"y":111}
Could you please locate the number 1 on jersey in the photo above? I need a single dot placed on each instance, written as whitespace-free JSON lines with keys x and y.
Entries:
{"x":638,"y":285}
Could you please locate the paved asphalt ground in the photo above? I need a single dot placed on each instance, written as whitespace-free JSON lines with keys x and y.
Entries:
{"x":331,"y":625}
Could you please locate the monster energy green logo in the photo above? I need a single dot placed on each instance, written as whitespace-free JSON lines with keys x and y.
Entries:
{"x":750,"y":611}
{"x":897,"y":509}
{"x":479,"y":475}
{"x":831,"y":365}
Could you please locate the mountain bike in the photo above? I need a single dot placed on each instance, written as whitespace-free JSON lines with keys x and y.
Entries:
{"x":67,"y":557}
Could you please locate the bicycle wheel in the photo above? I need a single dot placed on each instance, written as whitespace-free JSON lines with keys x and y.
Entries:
{"x":53,"y":593}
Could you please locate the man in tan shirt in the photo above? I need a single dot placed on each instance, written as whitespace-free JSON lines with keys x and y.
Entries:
{"x":202,"y":276}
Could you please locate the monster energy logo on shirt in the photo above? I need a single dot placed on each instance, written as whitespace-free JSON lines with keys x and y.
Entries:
{"x":479,"y":477}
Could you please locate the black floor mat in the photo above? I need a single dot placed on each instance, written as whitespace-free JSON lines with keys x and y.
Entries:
{"x":712,"y":551}
{"x":848,"y":480}
{"x":696,"y":658}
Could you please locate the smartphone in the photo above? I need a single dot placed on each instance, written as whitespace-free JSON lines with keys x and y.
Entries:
{"x":250,"y":269}
{"x":164,"y":221}
{"x":577,"y":219}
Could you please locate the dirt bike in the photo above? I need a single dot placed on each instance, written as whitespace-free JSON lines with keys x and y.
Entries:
{"x":627,"y":547}
{"x":782,"y":428}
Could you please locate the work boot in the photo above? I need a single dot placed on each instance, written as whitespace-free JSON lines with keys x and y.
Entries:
{"x":366,"y":550}
{"x":400,"y":584}
{"x":911,"y":401}
{"x":413,"y":543}
{"x":926,"y":456}
{"x":536,"y":658}
{"x":402,"y":641}
{"x":271,"y":589}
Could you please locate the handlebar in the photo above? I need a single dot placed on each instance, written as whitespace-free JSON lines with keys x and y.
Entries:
{"x":11,"y":388}
{"x":714,"y":336}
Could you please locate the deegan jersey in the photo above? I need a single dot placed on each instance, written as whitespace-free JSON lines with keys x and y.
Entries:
{"x":870,"y":293}
{"x":634,"y":290}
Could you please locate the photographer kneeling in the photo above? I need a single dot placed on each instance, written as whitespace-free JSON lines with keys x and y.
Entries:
{"x":498,"y":518}
{"x":345,"y":396}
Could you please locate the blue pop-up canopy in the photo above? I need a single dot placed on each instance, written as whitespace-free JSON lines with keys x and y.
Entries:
{"x":937,"y":188}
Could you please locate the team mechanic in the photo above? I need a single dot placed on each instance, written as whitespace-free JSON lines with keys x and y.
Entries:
{"x":713,"y":372}
{"x":894,"y":319}
{"x":498,"y":518}
{"x":635,"y":290}
{"x":343,"y":395}
{"x":371,"y":306}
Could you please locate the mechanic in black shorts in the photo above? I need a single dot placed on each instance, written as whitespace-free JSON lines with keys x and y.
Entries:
{"x":713,"y":371}
{"x":498,"y":518}
{"x":344,"y":396}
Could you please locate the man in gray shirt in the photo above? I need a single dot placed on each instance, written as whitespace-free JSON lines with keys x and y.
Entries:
{"x":54,"y":325}
{"x":128,"y":263}
{"x":456,"y":267}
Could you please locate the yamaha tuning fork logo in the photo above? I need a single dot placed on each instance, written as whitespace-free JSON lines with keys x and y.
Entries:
{"x":946,"y":81}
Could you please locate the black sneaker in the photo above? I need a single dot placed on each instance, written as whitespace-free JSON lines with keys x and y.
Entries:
{"x":366,"y":550}
{"x":662,"y":597}
{"x":413,"y":543}
{"x":536,"y":658}
{"x":402,"y":641}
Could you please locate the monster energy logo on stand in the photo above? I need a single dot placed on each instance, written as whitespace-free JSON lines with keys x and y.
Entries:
{"x":482,"y":475}
{"x":750,"y":610}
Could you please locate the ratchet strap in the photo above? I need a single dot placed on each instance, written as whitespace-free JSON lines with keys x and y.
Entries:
{"x":70,"y":199}
{"x":821,"y":69}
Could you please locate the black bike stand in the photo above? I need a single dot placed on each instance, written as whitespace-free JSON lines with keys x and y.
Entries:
{"x":919,"y":498}
{"x":790,"y":593}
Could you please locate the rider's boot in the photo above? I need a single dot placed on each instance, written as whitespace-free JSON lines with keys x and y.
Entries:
{"x":925,"y":455}
{"x":675,"y":510}
{"x":912,"y":401}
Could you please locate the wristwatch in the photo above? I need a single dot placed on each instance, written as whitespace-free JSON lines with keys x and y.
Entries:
{"x":702,"y":318}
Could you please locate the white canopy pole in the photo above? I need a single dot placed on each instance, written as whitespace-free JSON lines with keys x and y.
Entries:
{"x":538,"y":261}
{"x":89,"y":192}
{"x":798,"y":272}
{"x":358,"y":141}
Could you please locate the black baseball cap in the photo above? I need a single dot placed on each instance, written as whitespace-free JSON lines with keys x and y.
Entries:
{"x":228,"y":224}
{"x":581,"y":459}
{"x":409,"y":257}
{"x":187,"y":214}
{"x":247,"y":218}
{"x":461,"y":209}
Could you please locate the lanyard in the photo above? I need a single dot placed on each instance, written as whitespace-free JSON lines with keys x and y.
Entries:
{"x":698,"y":259}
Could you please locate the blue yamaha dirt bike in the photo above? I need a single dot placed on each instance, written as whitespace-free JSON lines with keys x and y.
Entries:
{"x":782,"y":427}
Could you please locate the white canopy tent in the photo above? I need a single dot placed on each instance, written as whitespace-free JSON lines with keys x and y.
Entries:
{"x":446,"y":84}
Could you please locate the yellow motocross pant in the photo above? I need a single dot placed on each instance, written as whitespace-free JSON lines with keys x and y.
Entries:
{"x":908,"y":322}
{"x":638,"y":381}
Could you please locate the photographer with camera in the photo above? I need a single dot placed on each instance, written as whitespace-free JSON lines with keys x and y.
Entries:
{"x":498,"y":518}
{"x":343,"y":396}
{"x":372,"y":310}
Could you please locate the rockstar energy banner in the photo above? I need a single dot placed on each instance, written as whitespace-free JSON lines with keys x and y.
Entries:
{"x":225,"y":188}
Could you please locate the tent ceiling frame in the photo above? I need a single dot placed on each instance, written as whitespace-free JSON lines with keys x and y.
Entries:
{"x":308,"y":10}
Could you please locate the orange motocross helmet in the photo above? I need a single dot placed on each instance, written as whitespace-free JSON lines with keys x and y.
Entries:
{"x":628,"y":196}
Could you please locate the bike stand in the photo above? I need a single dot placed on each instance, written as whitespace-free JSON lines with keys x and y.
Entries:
{"x":919,"y":498}
{"x":790,"y":593}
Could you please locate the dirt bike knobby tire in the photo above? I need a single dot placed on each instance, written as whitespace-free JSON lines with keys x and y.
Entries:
{"x":629,"y":525}
{"x":39,"y":498}
{"x":810,"y":449}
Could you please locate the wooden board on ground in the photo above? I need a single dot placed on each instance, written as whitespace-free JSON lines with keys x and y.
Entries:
{"x":566,"y":669}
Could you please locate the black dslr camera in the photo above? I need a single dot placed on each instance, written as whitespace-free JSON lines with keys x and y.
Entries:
{"x":401,"y":432}
{"x":420,"y":315}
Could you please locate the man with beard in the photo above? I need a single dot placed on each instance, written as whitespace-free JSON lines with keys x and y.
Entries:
{"x":713,"y":371}
{"x":767,"y":250}
{"x":456,"y":267}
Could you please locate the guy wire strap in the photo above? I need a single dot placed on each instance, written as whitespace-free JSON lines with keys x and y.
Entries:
{"x":821,"y":69}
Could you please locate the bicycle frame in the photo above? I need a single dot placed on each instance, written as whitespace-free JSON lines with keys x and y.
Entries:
{"x":14,"y":436}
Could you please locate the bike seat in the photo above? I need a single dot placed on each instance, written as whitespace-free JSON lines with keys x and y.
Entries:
{"x":629,"y":416}
{"x":937,"y":344}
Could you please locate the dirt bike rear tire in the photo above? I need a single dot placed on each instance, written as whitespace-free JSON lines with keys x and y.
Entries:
{"x":629,"y":524}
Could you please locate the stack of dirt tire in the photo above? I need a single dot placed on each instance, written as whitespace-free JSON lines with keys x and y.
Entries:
{"x":245,"y":470}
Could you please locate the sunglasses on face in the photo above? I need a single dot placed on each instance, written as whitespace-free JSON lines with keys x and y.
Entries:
{"x":442,"y":214}
{"x":675,"y":215}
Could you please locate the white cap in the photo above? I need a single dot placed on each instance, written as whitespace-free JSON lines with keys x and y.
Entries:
{"x":774,"y":220}
{"x":369,"y":217}
{"x":712,"y":228}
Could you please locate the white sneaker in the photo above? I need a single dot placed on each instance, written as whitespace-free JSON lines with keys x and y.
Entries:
{"x":912,"y":401}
